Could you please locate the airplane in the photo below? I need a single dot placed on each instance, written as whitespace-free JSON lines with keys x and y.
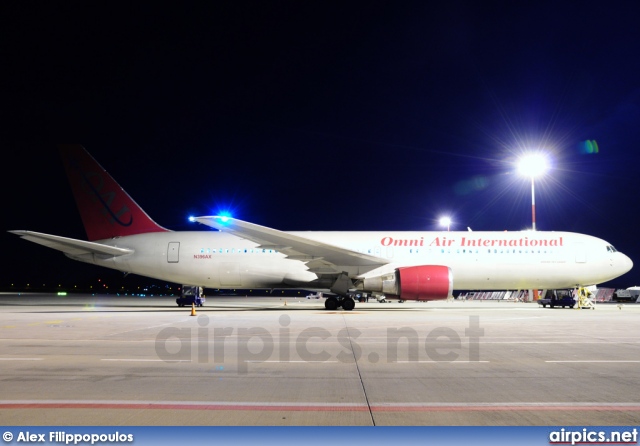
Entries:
{"x":410,"y":265}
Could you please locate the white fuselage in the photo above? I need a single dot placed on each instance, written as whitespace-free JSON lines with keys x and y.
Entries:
{"x":478,"y":260}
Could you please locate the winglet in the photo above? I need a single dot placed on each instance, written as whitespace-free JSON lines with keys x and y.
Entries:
{"x":107,"y":211}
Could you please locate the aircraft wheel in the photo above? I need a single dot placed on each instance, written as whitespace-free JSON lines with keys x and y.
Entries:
{"x":348,"y":304}
{"x":331,"y":303}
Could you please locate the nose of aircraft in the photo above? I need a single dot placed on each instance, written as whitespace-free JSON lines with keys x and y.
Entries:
{"x":624,"y":264}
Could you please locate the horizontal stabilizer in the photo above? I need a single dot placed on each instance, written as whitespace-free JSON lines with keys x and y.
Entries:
{"x":70,"y":246}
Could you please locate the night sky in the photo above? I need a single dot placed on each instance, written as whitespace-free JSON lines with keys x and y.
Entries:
{"x":323,"y":116}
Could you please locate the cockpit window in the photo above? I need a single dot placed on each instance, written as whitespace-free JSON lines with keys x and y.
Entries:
{"x":610,"y":248}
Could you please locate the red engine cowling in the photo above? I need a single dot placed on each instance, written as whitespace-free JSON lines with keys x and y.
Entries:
{"x":426,"y":282}
{"x":429,"y":282}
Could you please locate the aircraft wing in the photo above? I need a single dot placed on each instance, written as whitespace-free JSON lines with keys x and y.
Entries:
{"x":71,"y":246}
{"x":321,"y":258}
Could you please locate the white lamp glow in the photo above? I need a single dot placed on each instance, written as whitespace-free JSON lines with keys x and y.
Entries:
{"x":533,"y":165}
{"x":445,"y":221}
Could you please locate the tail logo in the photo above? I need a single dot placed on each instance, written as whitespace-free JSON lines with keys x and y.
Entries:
{"x":96,"y":194}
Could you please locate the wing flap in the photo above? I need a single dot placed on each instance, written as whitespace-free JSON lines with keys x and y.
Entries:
{"x":71,"y":246}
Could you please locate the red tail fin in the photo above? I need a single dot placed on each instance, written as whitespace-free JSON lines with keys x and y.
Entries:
{"x":107,"y":211}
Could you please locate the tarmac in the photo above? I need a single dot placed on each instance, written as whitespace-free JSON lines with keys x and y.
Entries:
{"x":129,"y":360}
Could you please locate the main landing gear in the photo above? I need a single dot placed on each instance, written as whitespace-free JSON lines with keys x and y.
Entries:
{"x":333,"y":302}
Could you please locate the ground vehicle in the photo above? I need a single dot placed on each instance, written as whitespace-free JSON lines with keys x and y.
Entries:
{"x":191,"y":295}
{"x":631,"y":294}
{"x":558,"y":298}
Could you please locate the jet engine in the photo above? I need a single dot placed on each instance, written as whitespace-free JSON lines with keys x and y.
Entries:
{"x":427,"y":282}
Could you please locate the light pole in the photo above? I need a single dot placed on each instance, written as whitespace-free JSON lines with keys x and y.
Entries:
{"x":533,"y":165}
{"x":445,"y":221}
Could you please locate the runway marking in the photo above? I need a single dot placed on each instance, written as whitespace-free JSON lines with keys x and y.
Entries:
{"x":437,"y":362}
{"x":560,"y":342}
{"x":147,"y":328}
{"x":144,"y":360}
{"x":318,"y":406}
{"x":187,"y":405}
{"x":501,"y":407}
{"x":288,"y":362}
{"x":588,"y":361}
{"x":596,"y":361}
{"x":361,"y":340}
